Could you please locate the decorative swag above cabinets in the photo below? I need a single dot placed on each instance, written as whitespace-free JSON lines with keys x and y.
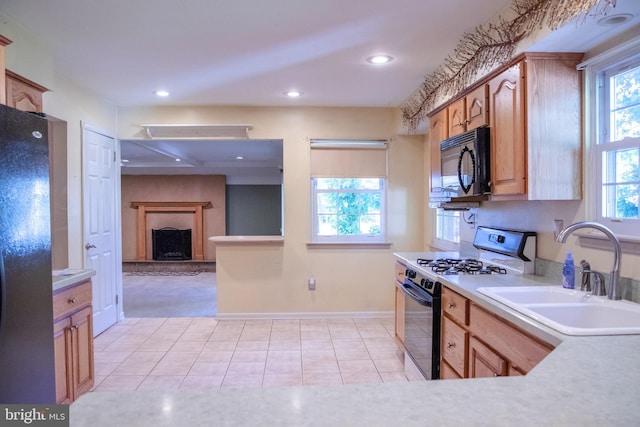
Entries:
{"x":492,"y":46}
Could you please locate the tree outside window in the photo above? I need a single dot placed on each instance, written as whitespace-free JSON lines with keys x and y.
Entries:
{"x":349,"y":207}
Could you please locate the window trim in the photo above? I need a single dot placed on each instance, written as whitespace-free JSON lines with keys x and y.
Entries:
{"x":594,"y":69}
{"x":440,"y":243}
{"x":346,"y":240}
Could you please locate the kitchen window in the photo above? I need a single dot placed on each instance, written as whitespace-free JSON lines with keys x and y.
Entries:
{"x":348,"y":181}
{"x":616,"y":152}
{"x":348,"y":209}
{"x":447,"y":229}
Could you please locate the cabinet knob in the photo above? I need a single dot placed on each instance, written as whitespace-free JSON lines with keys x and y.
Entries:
{"x":451,"y":305}
{"x":71,"y":300}
{"x":451,"y":345}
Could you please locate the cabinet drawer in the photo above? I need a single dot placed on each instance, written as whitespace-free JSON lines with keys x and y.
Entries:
{"x":454,"y":346}
{"x":455,"y":305}
{"x":71,"y":299}
{"x":400,"y":270}
{"x":522,"y":351}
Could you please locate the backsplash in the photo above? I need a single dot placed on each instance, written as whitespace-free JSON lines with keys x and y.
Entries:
{"x":553,"y":271}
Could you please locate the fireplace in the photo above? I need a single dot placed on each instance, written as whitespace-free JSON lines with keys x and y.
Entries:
{"x":143,"y":232}
{"x":171,"y":244}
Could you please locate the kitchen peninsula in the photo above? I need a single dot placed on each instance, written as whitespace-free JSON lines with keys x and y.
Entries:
{"x":583,"y":381}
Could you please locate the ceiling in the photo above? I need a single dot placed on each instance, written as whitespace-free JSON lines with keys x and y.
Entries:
{"x":250,"y":52}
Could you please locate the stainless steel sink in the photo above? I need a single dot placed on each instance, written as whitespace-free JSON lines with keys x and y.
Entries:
{"x":569,"y":311}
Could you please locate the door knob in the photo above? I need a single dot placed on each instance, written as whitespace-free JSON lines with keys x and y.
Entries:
{"x":89,"y":246}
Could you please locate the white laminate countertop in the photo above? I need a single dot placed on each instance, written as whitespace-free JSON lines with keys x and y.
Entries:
{"x":64,"y":278}
{"x":585,"y":381}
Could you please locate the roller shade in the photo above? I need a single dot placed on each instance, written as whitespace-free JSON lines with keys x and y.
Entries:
{"x":348,"y":158}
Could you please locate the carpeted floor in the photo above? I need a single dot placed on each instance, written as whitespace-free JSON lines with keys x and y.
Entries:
{"x":169,"y":295}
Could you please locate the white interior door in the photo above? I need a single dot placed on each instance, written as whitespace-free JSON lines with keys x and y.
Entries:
{"x":99,"y":195}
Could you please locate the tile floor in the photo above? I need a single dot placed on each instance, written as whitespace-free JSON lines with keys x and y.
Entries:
{"x":202,"y":352}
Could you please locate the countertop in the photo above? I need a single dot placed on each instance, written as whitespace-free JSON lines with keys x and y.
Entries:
{"x":247,"y":240}
{"x":64,"y":278}
{"x":585,"y":381}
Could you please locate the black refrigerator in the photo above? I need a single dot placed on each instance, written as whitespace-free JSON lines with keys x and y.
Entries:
{"x":27,"y":370}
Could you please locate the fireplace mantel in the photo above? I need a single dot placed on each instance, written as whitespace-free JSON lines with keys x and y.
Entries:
{"x":170,"y":207}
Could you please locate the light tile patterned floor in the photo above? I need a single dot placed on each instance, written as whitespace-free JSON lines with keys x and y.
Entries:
{"x":202,"y":352}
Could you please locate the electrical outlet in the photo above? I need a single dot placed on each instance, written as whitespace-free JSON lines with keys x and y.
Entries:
{"x":312,"y":283}
{"x":558,"y":227}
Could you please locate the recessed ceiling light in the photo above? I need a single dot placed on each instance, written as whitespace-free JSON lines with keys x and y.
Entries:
{"x":178,"y":160}
{"x":239,"y":157}
{"x":617,"y":19}
{"x":161,"y":93}
{"x":379,"y":59}
{"x":293,"y":93}
{"x":125,"y":160}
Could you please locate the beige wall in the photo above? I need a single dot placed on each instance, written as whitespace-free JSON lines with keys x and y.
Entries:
{"x":172,"y":188}
{"x":274,"y":279}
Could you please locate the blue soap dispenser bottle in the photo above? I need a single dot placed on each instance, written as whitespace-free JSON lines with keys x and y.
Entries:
{"x":568,"y":272}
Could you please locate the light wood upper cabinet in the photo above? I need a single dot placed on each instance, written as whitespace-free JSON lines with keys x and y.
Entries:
{"x":535,"y":114}
{"x":469,"y":112}
{"x":3,"y":43}
{"x":477,"y":107}
{"x":508,"y":154}
{"x":23,"y":94}
{"x":457,"y":117}
{"x":438,"y":132}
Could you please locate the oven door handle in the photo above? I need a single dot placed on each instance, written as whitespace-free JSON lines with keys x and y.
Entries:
{"x":408,"y":289}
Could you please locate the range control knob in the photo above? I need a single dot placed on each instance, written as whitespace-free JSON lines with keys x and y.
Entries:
{"x":411,"y":274}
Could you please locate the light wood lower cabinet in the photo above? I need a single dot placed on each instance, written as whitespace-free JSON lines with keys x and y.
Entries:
{"x":399,"y":293}
{"x":484,"y":362}
{"x":454,"y":342}
{"x":73,"y":342}
{"x":476,"y":343}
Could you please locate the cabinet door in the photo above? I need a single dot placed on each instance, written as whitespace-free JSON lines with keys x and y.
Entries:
{"x":477,"y":108}
{"x":82,"y":340}
{"x":454,"y":346}
{"x":62,"y":357}
{"x":399,"y":326}
{"x":457,"y":118}
{"x":438,"y":132}
{"x":508,"y":145}
{"x":484,"y":362}
{"x":522,"y":351}
{"x":448,"y":373}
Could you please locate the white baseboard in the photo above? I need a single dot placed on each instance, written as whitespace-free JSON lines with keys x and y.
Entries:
{"x":307,"y":315}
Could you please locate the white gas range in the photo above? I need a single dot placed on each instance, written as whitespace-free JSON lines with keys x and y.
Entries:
{"x":500,"y":251}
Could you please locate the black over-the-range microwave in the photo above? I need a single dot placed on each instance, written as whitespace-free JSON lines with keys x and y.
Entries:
{"x":465,"y":166}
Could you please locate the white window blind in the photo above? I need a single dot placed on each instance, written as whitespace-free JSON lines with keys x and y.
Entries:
{"x":348,"y":159}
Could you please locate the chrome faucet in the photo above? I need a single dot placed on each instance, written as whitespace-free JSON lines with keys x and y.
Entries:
{"x":614,"y":291}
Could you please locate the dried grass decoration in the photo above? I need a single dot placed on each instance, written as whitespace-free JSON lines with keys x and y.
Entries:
{"x":493,"y":46}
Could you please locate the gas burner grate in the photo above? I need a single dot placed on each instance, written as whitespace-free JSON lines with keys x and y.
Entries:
{"x":453,"y":266}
